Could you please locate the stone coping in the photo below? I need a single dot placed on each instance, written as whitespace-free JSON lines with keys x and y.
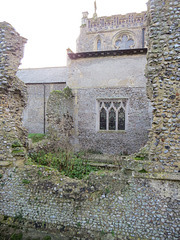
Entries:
{"x":111,"y":53}
{"x":158,"y":176}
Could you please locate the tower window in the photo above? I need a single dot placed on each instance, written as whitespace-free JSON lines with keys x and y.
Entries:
{"x":124,"y":42}
{"x":98,"y":44}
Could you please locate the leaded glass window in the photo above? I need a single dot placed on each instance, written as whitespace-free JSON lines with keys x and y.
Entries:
{"x":103,"y":119}
{"x":112,"y":119}
{"x":112,"y":114}
{"x":121,"y":119}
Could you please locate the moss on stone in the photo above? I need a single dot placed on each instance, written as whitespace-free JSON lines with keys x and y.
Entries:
{"x":16,"y":143}
{"x":36,"y":137}
{"x":66,"y":92}
{"x":25,"y":181}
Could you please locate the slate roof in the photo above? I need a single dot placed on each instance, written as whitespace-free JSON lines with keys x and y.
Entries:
{"x":43,"y":75}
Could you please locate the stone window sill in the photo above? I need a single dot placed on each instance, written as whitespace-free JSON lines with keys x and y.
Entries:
{"x":112,"y":131}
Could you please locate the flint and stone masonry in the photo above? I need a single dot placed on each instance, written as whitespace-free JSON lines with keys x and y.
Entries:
{"x":127,"y":204}
{"x":163,"y":76}
{"x":13,"y":97}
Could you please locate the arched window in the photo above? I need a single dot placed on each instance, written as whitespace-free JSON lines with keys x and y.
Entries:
{"x":121,"y":119}
{"x":98,"y":44}
{"x":124,"y":42}
{"x":112,"y":114}
{"x":112,"y":119}
{"x":103,"y":119}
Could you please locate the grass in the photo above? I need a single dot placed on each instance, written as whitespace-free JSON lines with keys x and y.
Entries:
{"x":25,"y":181}
{"x":143,"y":171}
{"x":69,"y":164}
{"x":139,"y":158}
{"x":16,"y":236}
{"x":36,"y":137}
{"x":94,"y":151}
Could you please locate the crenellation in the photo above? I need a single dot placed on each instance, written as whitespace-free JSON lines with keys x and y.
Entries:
{"x":114,"y":22}
{"x":110,"y":29}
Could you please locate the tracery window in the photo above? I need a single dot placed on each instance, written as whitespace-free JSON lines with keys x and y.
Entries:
{"x":112,"y":114}
{"x":124,"y":42}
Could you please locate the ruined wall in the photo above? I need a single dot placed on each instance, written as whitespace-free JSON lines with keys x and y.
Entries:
{"x":163,"y":80}
{"x":60,"y":118}
{"x":107,"y":205}
{"x":13,"y":96}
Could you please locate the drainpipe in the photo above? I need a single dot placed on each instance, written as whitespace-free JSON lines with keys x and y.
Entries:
{"x":143,"y":33}
{"x":44,"y":108}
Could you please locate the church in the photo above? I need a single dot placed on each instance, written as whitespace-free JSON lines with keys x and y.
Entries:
{"x":111,"y":112}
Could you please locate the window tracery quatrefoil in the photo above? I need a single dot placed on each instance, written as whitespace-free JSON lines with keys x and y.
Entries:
{"x":124,"y":42}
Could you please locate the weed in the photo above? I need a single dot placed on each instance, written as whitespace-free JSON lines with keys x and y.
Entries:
{"x":39,"y":173}
{"x":16,"y":236}
{"x":17,"y":150}
{"x":113,"y":234}
{"x":143,"y":171}
{"x":102,"y":233}
{"x":25,"y":181}
{"x":65,"y":162}
{"x":47,"y":238}
{"x":107,"y":190}
{"x":139,"y":158}
{"x":67,"y":92}
{"x":18,"y":216}
{"x":78,"y":224}
{"x":36,"y":137}
{"x":16,"y":143}
{"x":1,"y":175}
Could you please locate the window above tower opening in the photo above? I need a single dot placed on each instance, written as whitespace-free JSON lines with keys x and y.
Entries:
{"x":124,"y":42}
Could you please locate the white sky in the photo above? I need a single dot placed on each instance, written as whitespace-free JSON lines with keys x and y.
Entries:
{"x":52,"y":26}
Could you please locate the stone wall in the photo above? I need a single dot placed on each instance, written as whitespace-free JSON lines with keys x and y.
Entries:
{"x":34,"y":115}
{"x":60,"y":118}
{"x":40,"y":82}
{"x":108,"y":29}
{"x":163,"y":80}
{"x":117,"y":77}
{"x":13,"y":96}
{"x":107,"y":205}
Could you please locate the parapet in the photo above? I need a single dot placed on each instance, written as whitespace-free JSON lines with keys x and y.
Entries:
{"x":112,"y":32}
